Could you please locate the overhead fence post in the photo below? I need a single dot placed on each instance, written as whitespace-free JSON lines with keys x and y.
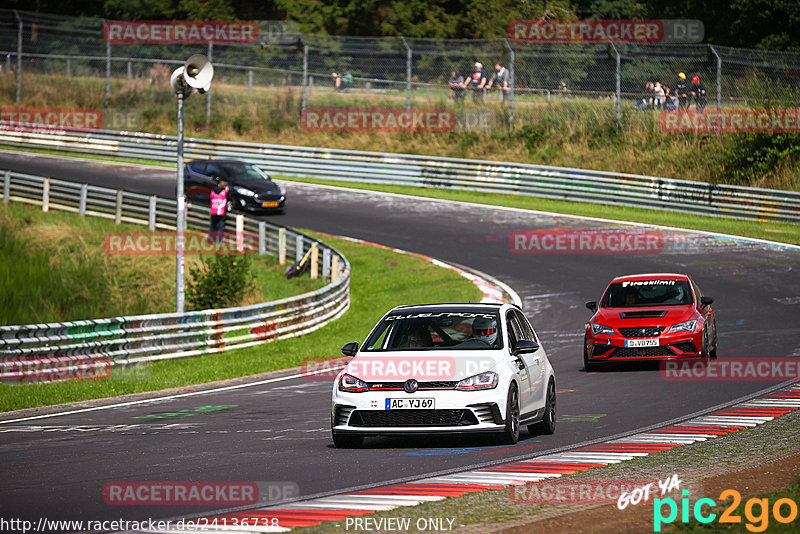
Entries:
{"x":335,"y":268}
{"x":118,"y":210}
{"x":719,"y":77}
{"x":326,"y":262}
{"x":19,"y":56}
{"x":510,"y":81}
{"x":619,"y":87}
{"x":314,"y":261}
{"x":408,"y":73}
{"x":304,"y":100}
{"x":108,"y":73}
{"x":298,"y":248}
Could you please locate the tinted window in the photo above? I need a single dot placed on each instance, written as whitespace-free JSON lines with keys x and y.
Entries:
{"x":527,"y":331}
{"x":647,"y":293}
{"x":436,"y":330}
{"x":198,"y":166}
{"x":213,"y":171}
{"x":242,"y":171}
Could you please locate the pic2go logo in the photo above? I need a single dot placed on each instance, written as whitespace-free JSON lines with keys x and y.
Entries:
{"x":757,"y":522}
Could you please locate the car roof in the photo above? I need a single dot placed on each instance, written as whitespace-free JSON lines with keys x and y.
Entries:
{"x":479,"y":307}
{"x":221,"y":160}
{"x":650,"y":276}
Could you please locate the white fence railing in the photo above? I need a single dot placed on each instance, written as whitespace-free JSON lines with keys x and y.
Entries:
{"x":561,"y":183}
{"x":53,"y":349}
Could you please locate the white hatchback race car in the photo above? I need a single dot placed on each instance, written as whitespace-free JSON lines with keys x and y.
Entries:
{"x":445,"y":368}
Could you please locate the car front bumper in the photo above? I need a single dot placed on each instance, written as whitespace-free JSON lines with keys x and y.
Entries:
{"x":678,"y":345}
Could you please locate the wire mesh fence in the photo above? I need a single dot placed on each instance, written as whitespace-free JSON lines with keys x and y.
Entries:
{"x":591,"y":79}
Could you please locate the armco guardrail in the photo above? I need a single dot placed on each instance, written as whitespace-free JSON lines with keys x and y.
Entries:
{"x":123,"y":340}
{"x":447,"y":173}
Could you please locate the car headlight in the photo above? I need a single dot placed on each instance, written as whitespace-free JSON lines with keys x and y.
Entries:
{"x":687,"y":326}
{"x":244,"y":191}
{"x":351,"y":384}
{"x":602,"y":329}
{"x":486,"y":380}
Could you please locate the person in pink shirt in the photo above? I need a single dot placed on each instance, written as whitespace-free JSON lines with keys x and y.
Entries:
{"x":219,"y":205}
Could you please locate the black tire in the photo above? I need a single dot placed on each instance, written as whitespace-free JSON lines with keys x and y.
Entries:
{"x":347,"y":441}
{"x":547,"y":425}
{"x":704,"y":354}
{"x":588,"y":366}
{"x":713,"y":351}
{"x":511,"y":433}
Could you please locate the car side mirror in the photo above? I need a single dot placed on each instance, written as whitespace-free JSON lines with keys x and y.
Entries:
{"x":592,"y":305}
{"x":350,"y":349}
{"x":525,"y":346}
{"x":706,"y":301}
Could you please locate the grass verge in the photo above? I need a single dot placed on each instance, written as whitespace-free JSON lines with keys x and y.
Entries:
{"x":381,"y":279}
{"x":54,"y":267}
{"x":773,"y":231}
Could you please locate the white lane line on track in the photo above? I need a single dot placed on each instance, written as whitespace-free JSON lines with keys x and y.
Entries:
{"x":170,"y":397}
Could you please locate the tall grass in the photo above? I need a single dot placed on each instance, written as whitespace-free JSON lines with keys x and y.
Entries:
{"x":53,"y":267}
{"x":571,"y":131}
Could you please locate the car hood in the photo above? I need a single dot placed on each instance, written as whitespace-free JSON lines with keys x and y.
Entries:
{"x":261,"y":187}
{"x":644,"y":316}
{"x":423,"y":366}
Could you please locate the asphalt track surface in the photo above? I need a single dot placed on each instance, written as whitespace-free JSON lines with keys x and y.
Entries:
{"x":57,"y":466}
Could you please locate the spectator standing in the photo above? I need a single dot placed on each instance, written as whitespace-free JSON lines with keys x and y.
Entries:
{"x":682,"y":91}
{"x":500,"y":76}
{"x":698,"y":92}
{"x":343,"y":81}
{"x":219,"y":207}
{"x":659,"y":96}
{"x":478,"y":77}
{"x":456,"y":86}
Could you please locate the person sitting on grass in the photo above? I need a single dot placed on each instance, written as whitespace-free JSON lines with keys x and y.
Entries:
{"x":343,"y":81}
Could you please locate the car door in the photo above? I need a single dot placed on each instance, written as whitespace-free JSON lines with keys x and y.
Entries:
{"x":514,"y":334}
{"x":535,"y":362}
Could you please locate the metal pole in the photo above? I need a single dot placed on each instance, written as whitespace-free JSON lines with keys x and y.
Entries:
{"x":719,"y":78}
{"x":305,"y":74}
{"x":619,"y":87}
{"x":510,"y":82}
{"x":408,"y":73}
{"x":179,"y":224}
{"x":19,"y":56}
{"x":69,"y":67}
{"x":108,"y":72}
{"x":208,"y":93}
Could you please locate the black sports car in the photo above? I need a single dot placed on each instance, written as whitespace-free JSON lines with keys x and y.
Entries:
{"x":250,"y":189}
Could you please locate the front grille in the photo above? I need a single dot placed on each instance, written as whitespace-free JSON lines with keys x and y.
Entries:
{"x":342,"y":414}
{"x":642,"y":352}
{"x":439,"y":384}
{"x":684,"y":346}
{"x":641,"y":331}
{"x":389,"y":418}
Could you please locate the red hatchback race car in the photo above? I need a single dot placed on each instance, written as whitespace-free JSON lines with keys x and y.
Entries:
{"x":657,"y":316}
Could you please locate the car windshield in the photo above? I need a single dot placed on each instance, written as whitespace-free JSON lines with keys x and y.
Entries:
{"x":450,"y":330}
{"x":647,"y":293}
{"x":243,"y":171}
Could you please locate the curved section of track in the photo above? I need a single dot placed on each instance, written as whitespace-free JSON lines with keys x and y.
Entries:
{"x":278,"y":430}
